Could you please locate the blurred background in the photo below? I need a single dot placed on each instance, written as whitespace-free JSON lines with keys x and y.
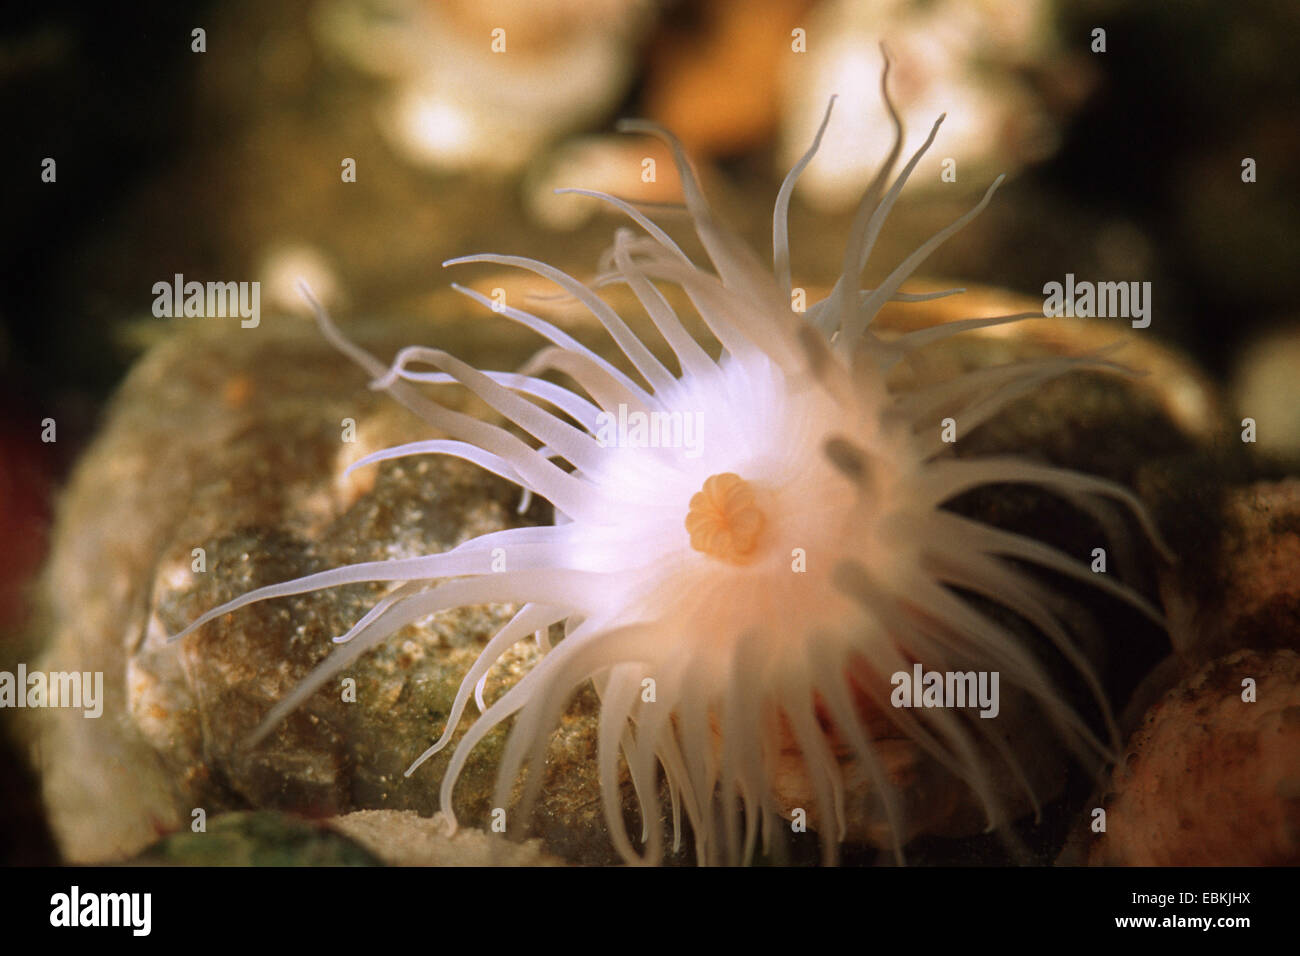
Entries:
{"x":221,"y":155}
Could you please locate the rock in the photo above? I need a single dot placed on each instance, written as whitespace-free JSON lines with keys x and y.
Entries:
{"x":1266,"y":390}
{"x":1210,"y":779}
{"x":264,"y":838}
{"x":365,"y":838}
{"x":1242,"y":588}
{"x":231,"y":441}
{"x":408,"y":839}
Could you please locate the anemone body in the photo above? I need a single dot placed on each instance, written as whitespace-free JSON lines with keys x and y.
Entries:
{"x":741,"y":567}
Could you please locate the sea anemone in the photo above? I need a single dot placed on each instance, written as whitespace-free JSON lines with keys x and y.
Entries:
{"x":744,"y":547}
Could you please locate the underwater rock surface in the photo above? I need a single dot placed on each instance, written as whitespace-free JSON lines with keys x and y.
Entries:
{"x":1212,"y":779}
{"x":235,"y":442}
{"x":365,"y":838}
{"x":260,"y":838}
{"x":1249,"y":596}
{"x":407,"y":839}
